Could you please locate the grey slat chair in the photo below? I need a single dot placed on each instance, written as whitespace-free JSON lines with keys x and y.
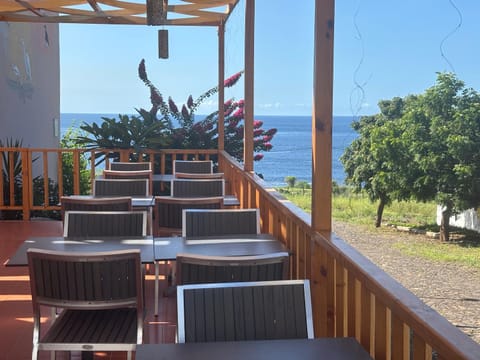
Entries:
{"x":121,"y":203}
{"x":193,"y":166}
{"x":101,"y":297}
{"x":189,"y":188}
{"x":130,"y":174}
{"x":244,"y":311}
{"x":121,"y":187}
{"x":196,"y":269}
{"x":130,"y":166}
{"x":91,"y":224}
{"x":208,"y":222}
{"x":168,"y":212}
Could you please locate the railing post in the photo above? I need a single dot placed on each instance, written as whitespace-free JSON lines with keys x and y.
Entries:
{"x":27,"y":193}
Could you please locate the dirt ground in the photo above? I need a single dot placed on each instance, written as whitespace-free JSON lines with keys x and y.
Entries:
{"x":452,"y":290}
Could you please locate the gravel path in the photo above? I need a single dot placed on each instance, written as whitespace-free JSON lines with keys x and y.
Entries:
{"x":452,"y":290}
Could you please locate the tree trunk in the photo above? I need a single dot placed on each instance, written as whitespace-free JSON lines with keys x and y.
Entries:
{"x":380,"y":208}
{"x":445,"y":225}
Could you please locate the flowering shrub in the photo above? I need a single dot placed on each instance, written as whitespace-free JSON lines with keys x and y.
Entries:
{"x":203,"y":134}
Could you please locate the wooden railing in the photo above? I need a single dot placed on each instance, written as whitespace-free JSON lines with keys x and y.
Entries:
{"x":350,"y":295}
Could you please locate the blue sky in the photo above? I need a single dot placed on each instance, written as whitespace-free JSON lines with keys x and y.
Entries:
{"x":382,"y":49}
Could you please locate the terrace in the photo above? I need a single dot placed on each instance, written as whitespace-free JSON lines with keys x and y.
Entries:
{"x":350,"y":295}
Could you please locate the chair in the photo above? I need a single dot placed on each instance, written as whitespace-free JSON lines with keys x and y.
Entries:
{"x":207,"y":222}
{"x":68,"y":203}
{"x":191,"y":188}
{"x":193,"y":166}
{"x":196,"y":269}
{"x":130,"y":166}
{"x":91,"y":224}
{"x":244,"y":311}
{"x":130,"y":174}
{"x":121,"y":187}
{"x":168,"y":212}
{"x":179,"y":175}
{"x":97,"y":292}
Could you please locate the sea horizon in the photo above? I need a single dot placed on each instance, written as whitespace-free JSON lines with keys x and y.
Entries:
{"x":291,"y":154}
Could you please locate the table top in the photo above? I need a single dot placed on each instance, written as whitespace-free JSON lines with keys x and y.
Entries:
{"x":59,"y":243}
{"x":305,"y":349}
{"x":137,"y":201}
{"x":167,"y":248}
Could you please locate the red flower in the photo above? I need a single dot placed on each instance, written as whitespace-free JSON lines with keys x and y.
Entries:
{"x":185,"y":113}
{"x":258,"y":157}
{"x":268,"y":146}
{"x":257,"y":123}
{"x":271,"y":132}
{"x":190,"y":101}
{"x":257,"y":132}
{"x":155,"y":97}
{"x":142,"y":73}
{"x":238,"y":113}
{"x":241,"y":103}
{"x":232,"y":80}
{"x":267,"y":138}
{"x":173,"y":107}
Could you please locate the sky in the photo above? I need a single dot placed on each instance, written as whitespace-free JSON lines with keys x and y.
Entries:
{"x":383,"y":49}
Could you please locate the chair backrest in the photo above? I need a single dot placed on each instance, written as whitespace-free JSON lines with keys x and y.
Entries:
{"x":68,"y":203}
{"x":244,"y":311}
{"x":208,"y":222}
{"x":86,"y":280}
{"x":190,"y":188}
{"x":130,"y":166}
{"x":168,"y":211}
{"x":193,"y":166}
{"x":121,"y":187}
{"x":197,"y":269}
{"x":91,"y":224}
{"x":97,"y":292}
{"x":179,"y":175}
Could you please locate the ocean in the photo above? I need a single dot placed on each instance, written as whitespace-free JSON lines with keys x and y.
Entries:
{"x":291,"y":154}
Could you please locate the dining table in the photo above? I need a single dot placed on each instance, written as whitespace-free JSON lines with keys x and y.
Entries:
{"x":72,"y":244}
{"x":285,"y":349}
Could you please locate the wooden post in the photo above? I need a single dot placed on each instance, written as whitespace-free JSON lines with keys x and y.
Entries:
{"x":322,"y":117}
{"x":249,"y":79}
{"x":221,"y":87}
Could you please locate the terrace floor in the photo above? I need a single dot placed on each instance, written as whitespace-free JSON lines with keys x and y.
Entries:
{"x":15,"y":301}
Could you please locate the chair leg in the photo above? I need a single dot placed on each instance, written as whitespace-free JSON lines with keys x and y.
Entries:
{"x":157,"y":275}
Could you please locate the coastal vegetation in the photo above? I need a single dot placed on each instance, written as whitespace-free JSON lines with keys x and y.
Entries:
{"x":423,"y":148}
{"x":356,"y":208}
{"x":168,"y":126}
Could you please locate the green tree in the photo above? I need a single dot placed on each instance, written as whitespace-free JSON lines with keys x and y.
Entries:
{"x":444,"y":125}
{"x":377,"y":160}
{"x":425,"y":147}
{"x":290,"y":180}
{"x":69,"y":141}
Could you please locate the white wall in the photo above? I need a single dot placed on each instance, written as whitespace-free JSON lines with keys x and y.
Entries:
{"x":30,"y":86}
{"x":468,"y":219}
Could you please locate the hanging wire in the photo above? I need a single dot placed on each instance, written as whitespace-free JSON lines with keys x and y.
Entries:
{"x":358,"y":91}
{"x":457,"y":27}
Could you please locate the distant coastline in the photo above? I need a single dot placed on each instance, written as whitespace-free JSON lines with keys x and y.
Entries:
{"x":291,"y":152}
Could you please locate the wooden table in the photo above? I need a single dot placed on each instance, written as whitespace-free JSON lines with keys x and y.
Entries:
{"x":58,"y":243}
{"x":304,"y":349}
{"x":137,"y":202}
{"x":167,"y":248}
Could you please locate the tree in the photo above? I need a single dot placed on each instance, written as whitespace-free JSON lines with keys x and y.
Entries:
{"x":203,"y":134}
{"x":445,"y":138}
{"x":425,"y":147}
{"x":290,"y":180}
{"x":377,"y":160}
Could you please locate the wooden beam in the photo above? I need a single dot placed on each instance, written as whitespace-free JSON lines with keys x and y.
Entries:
{"x":322,"y":116}
{"x":249,"y":84}
{"x":221,"y":87}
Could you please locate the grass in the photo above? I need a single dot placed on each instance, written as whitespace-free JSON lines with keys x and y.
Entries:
{"x":464,"y":247}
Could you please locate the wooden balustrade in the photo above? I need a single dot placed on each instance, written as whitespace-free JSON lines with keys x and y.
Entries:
{"x":350,"y":295}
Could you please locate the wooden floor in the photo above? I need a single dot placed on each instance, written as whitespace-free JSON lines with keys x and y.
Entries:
{"x":15,"y":300}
